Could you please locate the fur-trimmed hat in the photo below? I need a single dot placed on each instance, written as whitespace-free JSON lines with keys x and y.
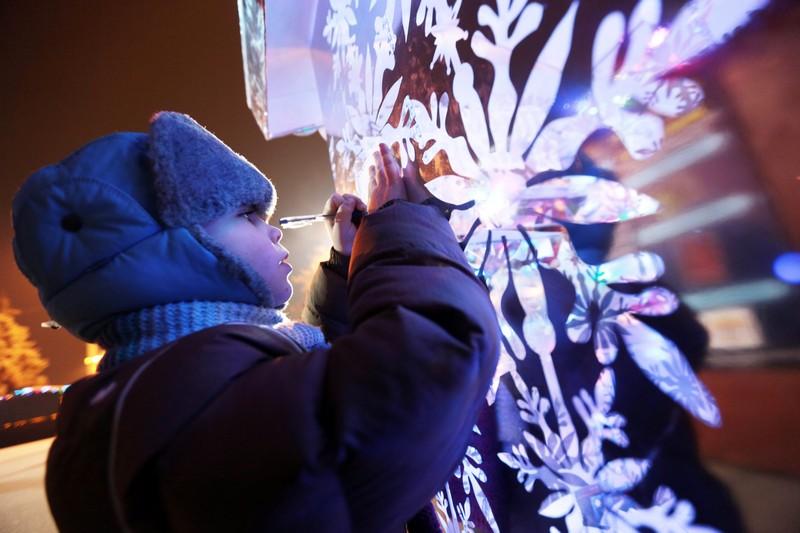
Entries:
{"x":197,"y":177}
{"x":117,"y":226}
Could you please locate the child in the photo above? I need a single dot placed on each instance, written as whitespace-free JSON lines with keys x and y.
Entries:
{"x":212,"y":412}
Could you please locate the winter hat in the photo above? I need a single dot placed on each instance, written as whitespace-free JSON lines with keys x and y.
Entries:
{"x":197,"y":177}
{"x":117,"y":226}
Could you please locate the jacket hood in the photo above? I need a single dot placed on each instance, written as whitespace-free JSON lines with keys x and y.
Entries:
{"x":109,"y":230}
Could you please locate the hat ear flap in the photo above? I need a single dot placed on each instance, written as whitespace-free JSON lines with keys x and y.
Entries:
{"x":234,"y":266}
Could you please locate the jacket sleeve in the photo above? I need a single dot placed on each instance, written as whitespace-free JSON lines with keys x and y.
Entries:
{"x":401,"y":392}
{"x":326,"y":301}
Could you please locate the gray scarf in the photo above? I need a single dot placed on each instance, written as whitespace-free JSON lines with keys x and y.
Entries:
{"x":131,"y":335}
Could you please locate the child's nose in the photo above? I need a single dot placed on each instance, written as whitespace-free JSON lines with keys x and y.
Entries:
{"x":275,"y":234}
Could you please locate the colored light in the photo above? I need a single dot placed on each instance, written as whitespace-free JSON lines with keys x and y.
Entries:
{"x":658,"y":37}
{"x":739,"y":295}
{"x":787,"y":267}
{"x":678,"y":160}
{"x":710,"y":213}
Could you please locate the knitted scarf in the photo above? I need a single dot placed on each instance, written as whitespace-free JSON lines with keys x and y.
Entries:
{"x":136,"y":333}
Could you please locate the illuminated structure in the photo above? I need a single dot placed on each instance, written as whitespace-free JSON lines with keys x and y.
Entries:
{"x":489,"y":99}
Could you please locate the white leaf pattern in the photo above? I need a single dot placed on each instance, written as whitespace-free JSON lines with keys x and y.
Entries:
{"x":504,"y":138}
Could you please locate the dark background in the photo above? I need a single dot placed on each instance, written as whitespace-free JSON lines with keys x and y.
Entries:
{"x":74,"y":71}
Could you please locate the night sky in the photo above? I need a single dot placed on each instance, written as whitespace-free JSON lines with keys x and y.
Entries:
{"x":74,"y":71}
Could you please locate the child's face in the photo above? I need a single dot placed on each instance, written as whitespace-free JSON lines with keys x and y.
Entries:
{"x":247,"y":235}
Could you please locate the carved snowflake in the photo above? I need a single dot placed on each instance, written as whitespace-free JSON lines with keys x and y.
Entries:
{"x":506,"y":138}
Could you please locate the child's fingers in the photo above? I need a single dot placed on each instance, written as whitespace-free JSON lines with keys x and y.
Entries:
{"x":388,"y":183}
{"x":415,"y":186}
{"x":393,"y":172}
{"x":412,"y":171}
{"x":332,"y":204}
{"x":345,"y":211}
{"x":359,"y":203}
{"x":373,"y":179}
{"x":380,"y":170}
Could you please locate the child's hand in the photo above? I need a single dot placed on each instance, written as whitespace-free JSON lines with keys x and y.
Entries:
{"x":415,"y":188}
{"x":341,"y":228}
{"x":385,"y":179}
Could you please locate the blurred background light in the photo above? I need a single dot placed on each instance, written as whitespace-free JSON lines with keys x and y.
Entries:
{"x":726,"y":208}
{"x":678,"y":160}
{"x":787,"y":267}
{"x":740,"y":294}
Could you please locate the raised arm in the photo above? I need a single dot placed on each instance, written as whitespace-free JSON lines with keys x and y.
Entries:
{"x":404,"y":387}
{"x":371,"y":427}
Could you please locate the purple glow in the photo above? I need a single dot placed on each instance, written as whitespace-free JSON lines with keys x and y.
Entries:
{"x":787,"y":267}
{"x":658,"y":37}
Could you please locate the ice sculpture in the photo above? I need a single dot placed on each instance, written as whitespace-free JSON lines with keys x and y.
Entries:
{"x":486,"y":97}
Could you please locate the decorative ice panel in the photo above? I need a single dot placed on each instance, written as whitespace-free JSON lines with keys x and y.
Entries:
{"x":493,"y":101}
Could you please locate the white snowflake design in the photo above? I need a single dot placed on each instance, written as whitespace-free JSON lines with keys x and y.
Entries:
{"x":504,"y":139}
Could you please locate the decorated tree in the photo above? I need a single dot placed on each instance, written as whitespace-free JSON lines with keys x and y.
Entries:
{"x":21,"y":363}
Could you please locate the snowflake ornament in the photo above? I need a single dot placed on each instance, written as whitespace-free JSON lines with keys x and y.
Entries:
{"x":498,"y":114}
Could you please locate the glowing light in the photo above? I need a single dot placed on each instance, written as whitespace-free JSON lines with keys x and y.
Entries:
{"x":620,"y":100}
{"x":496,"y":205}
{"x":92,"y":357}
{"x":742,"y":294}
{"x":678,"y":160}
{"x":732,"y":328}
{"x":584,"y":106}
{"x":787,"y":267}
{"x":658,"y":37}
{"x":707,"y":215}
{"x":25,"y":422}
{"x":28,"y":391}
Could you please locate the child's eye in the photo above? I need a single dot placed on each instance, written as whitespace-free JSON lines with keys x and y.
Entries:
{"x":252,"y":215}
